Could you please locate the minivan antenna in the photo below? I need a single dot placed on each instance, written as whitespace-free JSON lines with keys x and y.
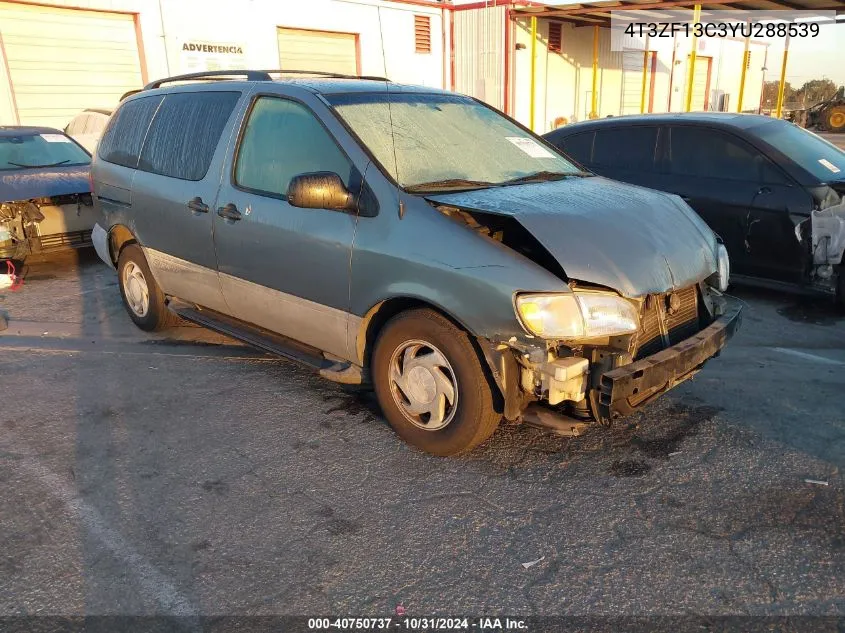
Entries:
{"x":389,"y":109}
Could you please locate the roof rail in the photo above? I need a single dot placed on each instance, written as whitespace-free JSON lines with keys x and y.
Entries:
{"x":249,"y":75}
{"x":321,"y":73}
{"x":253,"y":75}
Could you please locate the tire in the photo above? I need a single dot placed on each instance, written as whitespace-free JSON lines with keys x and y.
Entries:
{"x":834,"y":118}
{"x":413,"y":344}
{"x":135,"y":281}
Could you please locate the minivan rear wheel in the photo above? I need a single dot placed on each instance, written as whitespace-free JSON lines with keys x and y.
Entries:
{"x":142,"y":298}
{"x":430,"y":384}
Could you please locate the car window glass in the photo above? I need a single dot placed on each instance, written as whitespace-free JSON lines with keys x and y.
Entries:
{"x":121,"y":142}
{"x":422,"y":139}
{"x":31,"y":151}
{"x":769,"y":172}
{"x":185,"y":132}
{"x":77,"y":125}
{"x":283,"y":139}
{"x":99,"y":123}
{"x":92,"y":124}
{"x":578,"y":146}
{"x":709,"y":153}
{"x":631,"y":148}
{"x":822,"y":159}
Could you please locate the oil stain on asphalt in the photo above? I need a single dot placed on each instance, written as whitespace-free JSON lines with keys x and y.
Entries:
{"x":813,"y":312}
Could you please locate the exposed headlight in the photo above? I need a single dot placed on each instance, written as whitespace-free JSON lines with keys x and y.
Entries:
{"x":720,"y":279}
{"x":577,"y":315}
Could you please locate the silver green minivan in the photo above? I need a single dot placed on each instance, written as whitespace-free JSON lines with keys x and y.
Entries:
{"x":410,"y":239}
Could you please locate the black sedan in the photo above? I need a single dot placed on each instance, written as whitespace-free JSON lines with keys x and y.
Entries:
{"x":45,"y":192}
{"x":774,"y":192}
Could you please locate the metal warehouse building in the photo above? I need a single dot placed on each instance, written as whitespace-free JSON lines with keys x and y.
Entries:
{"x":59,"y":57}
{"x":544,"y":65}
{"x":547,"y":65}
{"x":629,"y":81}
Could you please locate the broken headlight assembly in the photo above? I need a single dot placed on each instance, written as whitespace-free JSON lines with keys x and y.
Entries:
{"x":576,"y":315}
{"x":721,"y":278}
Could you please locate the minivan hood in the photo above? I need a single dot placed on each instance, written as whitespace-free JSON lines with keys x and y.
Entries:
{"x":634,"y":240}
{"x":46,"y":182}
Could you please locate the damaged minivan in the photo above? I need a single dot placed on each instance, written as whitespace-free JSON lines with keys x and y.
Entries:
{"x":410,"y":239}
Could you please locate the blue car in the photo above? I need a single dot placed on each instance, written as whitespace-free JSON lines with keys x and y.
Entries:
{"x":45,"y":192}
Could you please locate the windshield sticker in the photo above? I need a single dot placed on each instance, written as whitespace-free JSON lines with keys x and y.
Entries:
{"x":530,"y":147}
{"x":829,"y":165}
{"x":55,"y":138}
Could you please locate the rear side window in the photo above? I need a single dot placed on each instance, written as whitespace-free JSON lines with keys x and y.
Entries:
{"x":578,"y":146}
{"x":121,"y":143}
{"x":185,"y":133}
{"x":95,"y":123}
{"x":77,"y":126}
{"x":704,"y":152}
{"x":283,"y":139}
{"x":631,"y":148}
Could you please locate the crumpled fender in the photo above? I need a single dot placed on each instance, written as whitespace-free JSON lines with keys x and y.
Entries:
{"x":827,"y":227}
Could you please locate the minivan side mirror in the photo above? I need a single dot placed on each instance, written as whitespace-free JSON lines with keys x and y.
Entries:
{"x":320,"y":190}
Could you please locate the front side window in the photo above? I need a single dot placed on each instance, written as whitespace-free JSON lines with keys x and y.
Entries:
{"x":431,"y":141}
{"x":283,"y":139}
{"x":822,"y":159}
{"x":708,"y":153}
{"x":33,"y":151}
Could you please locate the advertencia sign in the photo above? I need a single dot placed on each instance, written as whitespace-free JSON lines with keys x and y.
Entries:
{"x":198,"y":56}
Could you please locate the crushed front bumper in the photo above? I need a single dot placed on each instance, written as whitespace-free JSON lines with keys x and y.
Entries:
{"x":624,"y":389}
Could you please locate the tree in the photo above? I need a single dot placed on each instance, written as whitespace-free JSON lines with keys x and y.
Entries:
{"x":814,"y":91}
{"x":770,"y":94}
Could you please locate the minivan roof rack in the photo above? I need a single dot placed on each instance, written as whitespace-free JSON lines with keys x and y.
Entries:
{"x":253,"y":75}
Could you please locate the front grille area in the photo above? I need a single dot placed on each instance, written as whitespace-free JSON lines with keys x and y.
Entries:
{"x":74,"y":239}
{"x":678,"y":312}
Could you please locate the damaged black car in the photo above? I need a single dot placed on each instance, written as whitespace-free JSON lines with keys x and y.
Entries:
{"x":774,"y":192}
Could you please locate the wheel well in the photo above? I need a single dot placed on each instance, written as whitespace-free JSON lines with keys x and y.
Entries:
{"x":119,"y":237}
{"x":379,"y":315}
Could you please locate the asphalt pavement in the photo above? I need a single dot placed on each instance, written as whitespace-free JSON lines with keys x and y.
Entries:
{"x":836,"y":139}
{"x":183,"y":473}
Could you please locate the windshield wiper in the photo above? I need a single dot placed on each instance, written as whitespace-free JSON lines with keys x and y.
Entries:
{"x":61,"y":162}
{"x":449,"y":183}
{"x":545,"y":176}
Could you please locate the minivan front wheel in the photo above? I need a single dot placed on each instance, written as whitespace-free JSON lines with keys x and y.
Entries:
{"x":430,"y":384}
{"x":142,"y":298}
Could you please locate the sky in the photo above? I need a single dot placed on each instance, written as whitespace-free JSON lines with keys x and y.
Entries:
{"x":809,"y":58}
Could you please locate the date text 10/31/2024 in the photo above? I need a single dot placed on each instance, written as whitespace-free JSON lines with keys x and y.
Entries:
{"x":417,"y":624}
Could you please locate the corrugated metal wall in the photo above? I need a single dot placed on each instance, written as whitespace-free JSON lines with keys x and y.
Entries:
{"x":479,"y":54}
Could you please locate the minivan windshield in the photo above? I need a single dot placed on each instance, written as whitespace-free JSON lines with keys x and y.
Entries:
{"x":823,"y":160}
{"x":34,"y":151}
{"x":447,"y":142}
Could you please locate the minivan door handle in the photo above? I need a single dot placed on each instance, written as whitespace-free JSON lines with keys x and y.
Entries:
{"x":196,"y":205}
{"x":764,"y":190}
{"x":229,"y":212}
